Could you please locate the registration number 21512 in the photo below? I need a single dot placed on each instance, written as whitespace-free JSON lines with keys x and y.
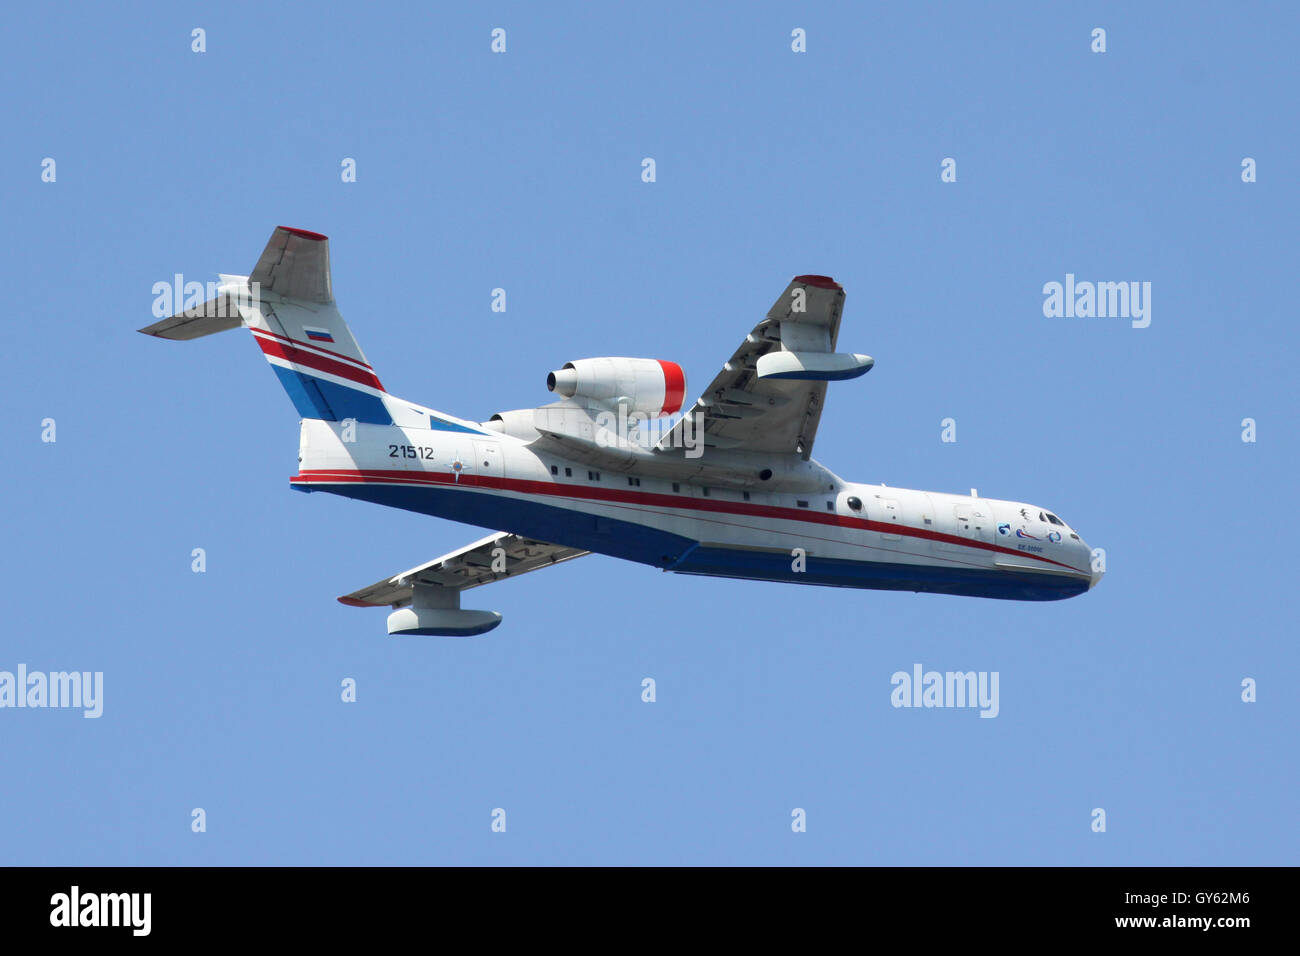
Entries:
{"x":410,"y":451}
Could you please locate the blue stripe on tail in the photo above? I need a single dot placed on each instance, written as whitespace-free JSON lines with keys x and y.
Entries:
{"x":316,"y":398}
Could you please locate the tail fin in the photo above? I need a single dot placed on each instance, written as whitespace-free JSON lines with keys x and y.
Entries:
{"x":288,"y":304}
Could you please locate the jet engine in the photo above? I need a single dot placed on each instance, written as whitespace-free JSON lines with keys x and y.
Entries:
{"x":650,"y":386}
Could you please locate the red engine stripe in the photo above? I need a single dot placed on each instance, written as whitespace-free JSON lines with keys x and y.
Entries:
{"x":674,"y":386}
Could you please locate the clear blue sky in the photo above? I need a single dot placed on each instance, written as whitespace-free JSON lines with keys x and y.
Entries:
{"x":522,"y":171}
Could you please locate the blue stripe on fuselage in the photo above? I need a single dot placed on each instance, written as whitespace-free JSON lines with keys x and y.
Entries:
{"x":575,"y":529}
{"x":442,"y":425}
{"x":882,"y":576}
{"x":636,"y":542}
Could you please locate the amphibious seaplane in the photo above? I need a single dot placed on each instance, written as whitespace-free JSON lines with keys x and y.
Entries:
{"x":727,"y":489}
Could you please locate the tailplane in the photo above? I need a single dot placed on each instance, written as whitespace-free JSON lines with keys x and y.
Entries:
{"x":288,"y":304}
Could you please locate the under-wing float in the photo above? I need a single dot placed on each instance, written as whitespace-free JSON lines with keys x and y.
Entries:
{"x":725,"y":488}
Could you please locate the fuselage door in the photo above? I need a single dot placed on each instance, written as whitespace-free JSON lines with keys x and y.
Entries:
{"x":971,"y":519}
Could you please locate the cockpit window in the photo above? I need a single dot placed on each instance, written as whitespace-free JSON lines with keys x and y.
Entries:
{"x":1041,"y":518}
{"x":1055,"y":520}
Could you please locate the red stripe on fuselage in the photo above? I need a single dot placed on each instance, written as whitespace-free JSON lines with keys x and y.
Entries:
{"x":299,"y":356}
{"x":655,"y":499}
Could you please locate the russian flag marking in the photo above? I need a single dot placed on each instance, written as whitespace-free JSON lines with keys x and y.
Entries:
{"x":318,"y":335}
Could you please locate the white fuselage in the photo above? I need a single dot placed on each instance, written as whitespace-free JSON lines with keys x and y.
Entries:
{"x":805,"y":525}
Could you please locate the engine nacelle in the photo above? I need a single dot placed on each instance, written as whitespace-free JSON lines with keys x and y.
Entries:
{"x":650,"y":386}
{"x":517,"y":423}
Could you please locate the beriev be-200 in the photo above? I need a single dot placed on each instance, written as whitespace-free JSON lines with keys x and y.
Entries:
{"x":727,"y":489}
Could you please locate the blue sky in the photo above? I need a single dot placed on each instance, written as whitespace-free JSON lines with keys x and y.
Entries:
{"x":522,"y":171}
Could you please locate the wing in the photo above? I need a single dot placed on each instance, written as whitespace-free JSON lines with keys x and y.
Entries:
{"x":776,"y":408}
{"x":465,"y":568}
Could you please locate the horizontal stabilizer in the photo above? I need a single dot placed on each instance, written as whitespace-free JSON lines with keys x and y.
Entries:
{"x":219,"y":314}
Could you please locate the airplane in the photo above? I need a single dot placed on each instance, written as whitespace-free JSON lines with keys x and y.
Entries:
{"x":728,"y":489}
